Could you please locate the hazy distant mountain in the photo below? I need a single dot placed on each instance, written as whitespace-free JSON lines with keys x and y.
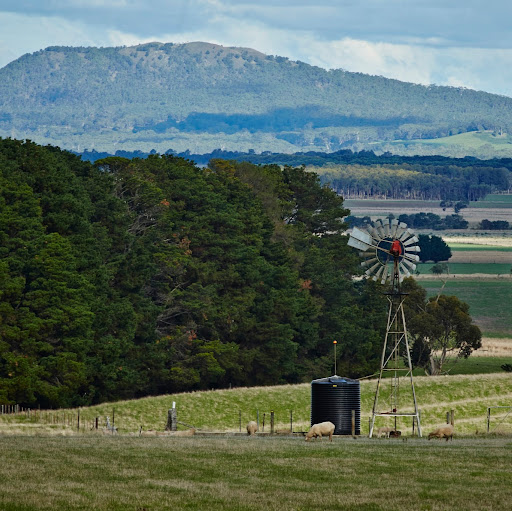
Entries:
{"x":202,"y":96}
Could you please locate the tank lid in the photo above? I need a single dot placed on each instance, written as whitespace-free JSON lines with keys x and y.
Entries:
{"x":335,"y":379}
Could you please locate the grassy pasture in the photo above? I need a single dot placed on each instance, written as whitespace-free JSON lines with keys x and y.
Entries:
{"x":265,"y":473}
{"x":489,"y":301}
{"x":221,"y":410}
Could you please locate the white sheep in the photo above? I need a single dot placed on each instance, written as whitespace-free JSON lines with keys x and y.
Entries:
{"x":252,"y":427}
{"x":323,"y":428}
{"x":384,"y":430}
{"x":443,"y":432}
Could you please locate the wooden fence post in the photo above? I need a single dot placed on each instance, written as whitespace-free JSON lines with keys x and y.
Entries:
{"x":172,"y":418}
{"x":272,"y":422}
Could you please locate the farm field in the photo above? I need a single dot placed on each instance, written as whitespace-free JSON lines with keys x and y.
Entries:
{"x":489,"y":301}
{"x":229,"y":410}
{"x":469,"y":268}
{"x":495,"y":207}
{"x":258,"y":473}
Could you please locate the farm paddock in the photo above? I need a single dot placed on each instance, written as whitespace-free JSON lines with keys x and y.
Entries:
{"x":254,"y":473}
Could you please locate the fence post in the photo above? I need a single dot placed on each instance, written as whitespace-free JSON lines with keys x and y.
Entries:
{"x":172,"y":418}
{"x":78,"y":421}
{"x":353,"y":423}
{"x":258,"y":419}
{"x":488,"y":419}
{"x":447,"y":417}
{"x":291,"y":421}
{"x":264,"y":415}
{"x":452,"y":417}
{"x":272,"y":422}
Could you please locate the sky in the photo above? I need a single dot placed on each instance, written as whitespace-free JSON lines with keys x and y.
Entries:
{"x":462,"y":43}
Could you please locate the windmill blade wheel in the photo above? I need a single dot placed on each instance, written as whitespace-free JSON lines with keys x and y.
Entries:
{"x":375,"y":244}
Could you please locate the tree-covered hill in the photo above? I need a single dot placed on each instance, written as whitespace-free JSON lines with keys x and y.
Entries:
{"x":146,"y":276}
{"x":201,"y":96}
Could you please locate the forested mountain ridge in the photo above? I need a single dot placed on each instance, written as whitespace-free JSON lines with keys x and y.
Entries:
{"x":147,"y":276}
{"x":201,"y":96}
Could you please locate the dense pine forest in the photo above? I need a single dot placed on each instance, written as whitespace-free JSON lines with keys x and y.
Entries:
{"x":128,"y":277}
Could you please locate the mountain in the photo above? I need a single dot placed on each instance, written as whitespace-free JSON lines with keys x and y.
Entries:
{"x":201,"y":96}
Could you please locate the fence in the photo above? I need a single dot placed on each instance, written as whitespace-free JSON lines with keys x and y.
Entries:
{"x":63,"y":418}
{"x":499,"y":420}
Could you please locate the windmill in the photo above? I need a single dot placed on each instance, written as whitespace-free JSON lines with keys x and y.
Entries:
{"x":390,"y":251}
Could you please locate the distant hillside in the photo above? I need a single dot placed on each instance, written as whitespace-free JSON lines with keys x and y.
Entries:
{"x":201,"y":96}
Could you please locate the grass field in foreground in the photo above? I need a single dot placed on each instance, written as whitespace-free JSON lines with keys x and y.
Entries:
{"x":259,"y":473}
{"x":489,"y":301}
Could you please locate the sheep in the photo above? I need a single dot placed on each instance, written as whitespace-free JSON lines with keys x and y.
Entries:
{"x":444,"y":432}
{"x":384,"y":430}
{"x":323,"y":428}
{"x":252,"y":427}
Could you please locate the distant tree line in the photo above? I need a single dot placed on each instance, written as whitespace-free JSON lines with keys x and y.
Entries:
{"x":433,"y":221}
{"x":494,"y":225}
{"x":366,"y":175}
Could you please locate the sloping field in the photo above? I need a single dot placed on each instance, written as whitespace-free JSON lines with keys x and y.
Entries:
{"x":222,"y":410}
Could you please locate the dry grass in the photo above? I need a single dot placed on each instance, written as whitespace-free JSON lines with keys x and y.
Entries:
{"x":494,"y":348}
{"x":484,"y":241}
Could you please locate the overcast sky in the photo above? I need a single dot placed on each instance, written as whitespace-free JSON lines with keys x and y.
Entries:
{"x":446,"y":42}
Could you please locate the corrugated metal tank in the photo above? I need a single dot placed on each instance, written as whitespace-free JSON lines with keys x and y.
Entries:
{"x":333,"y":399}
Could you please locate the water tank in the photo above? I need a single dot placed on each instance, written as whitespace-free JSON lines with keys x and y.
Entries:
{"x":333,"y":399}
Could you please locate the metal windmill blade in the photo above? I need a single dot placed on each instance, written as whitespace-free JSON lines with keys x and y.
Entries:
{"x":375,"y":249}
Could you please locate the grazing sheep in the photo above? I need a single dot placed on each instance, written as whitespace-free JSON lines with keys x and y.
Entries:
{"x":252,"y":427}
{"x":384,"y":430}
{"x":444,"y":432}
{"x":323,"y":428}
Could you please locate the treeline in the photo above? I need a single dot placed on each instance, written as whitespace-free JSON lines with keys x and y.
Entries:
{"x":147,"y":276}
{"x":316,"y":158}
{"x":365,"y":175}
{"x":433,"y":221}
{"x":494,"y":225}
{"x":420,"y":182}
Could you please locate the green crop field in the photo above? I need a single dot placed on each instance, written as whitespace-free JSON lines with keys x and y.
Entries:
{"x":465,"y":247}
{"x":493,"y":201}
{"x":253,"y":474}
{"x":489,"y":300}
{"x":469,"y":268}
